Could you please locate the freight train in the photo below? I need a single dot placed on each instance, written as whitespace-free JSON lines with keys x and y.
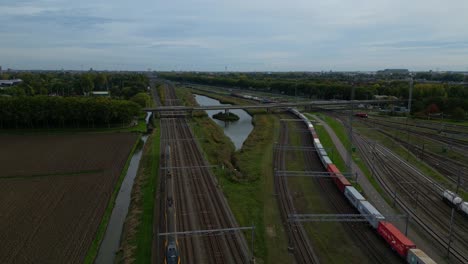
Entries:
{"x":171,"y":244}
{"x":394,"y":238}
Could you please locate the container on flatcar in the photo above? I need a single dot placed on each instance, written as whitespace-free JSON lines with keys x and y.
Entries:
{"x":314,"y":135}
{"x":353,"y":196}
{"x":372,"y":215}
{"x":323,"y":153}
{"x":397,"y":240}
{"x":327,"y":160}
{"x":340,"y":180}
{"x":417,"y":256}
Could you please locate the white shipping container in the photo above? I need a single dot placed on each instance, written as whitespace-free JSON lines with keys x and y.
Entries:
{"x":327,"y":160}
{"x":353,"y":196}
{"x":417,"y":256}
{"x":372,"y":215}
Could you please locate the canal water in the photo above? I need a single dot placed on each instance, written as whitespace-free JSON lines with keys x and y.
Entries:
{"x":110,"y":243}
{"x":237,"y":131}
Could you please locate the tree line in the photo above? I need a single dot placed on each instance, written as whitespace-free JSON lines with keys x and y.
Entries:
{"x":65,"y":112}
{"x":120,"y":85}
{"x":451,"y":98}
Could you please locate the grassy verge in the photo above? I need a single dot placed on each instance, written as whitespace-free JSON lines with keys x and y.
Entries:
{"x":137,"y":237}
{"x":94,"y":248}
{"x":246,"y":178}
{"x":340,"y":132}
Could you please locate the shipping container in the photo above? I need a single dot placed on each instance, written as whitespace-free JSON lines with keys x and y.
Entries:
{"x":353,"y":196}
{"x":373,"y":216}
{"x":316,"y":141}
{"x":397,"y":240}
{"x":327,"y":160}
{"x":340,"y":180}
{"x":417,"y":256}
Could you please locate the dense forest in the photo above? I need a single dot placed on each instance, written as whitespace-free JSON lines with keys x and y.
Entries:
{"x":436,"y":93}
{"x":64,"y":112}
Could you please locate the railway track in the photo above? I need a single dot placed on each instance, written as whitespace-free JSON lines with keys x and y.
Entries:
{"x":364,"y":237}
{"x":417,"y":195}
{"x":200,"y":203}
{"x":298,"y":239}
{"x":451,"y":169}
{"x":460,"y":145}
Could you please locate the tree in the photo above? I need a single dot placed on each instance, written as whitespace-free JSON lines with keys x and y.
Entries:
{"x":87,"y":84}
{"x":458,"y":113}
{"x":142,"y":99}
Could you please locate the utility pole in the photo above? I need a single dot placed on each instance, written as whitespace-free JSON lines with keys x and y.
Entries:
{"x":350,"y":131}
{"x":408,"y":114}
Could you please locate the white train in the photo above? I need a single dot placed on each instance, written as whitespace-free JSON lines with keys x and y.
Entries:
{"x":454,"y":200}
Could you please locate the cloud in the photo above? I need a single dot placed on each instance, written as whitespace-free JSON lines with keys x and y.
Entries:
{"x":244,"y":34}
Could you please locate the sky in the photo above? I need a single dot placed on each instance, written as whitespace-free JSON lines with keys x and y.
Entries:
{"x":241,"y":35}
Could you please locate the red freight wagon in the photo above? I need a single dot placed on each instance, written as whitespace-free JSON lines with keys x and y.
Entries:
{"x":399,"y":242}
{"x":339,"y":180}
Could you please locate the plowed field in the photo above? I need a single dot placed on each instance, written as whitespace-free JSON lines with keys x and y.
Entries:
{"x":53,"y":193}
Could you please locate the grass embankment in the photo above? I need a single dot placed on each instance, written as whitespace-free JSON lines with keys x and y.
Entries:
{"x":94,"y":248}
{"x":247,"y":178}
{"x":137,"y":236}
{"x":330,"y":240}
{"x":342,"y":135}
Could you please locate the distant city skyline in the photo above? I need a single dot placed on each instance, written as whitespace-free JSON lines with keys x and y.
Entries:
{"x":208,"y":35}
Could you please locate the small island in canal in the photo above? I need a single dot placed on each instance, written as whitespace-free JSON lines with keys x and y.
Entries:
{"x":226,"y":116}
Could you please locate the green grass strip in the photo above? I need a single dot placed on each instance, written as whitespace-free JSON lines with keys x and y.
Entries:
{"x":144,"y":238}
{"x":94,"y":248}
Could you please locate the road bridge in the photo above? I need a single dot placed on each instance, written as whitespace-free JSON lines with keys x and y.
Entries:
{"x":162,"y":109}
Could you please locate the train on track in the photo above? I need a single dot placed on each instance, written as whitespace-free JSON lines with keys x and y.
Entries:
{"x":394,"y":238}
{"x":455,"y":201}
{"x":171,"y":245}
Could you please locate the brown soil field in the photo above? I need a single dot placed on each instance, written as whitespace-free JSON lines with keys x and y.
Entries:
{"x":54,"y":191}
{"x":27,"y":156}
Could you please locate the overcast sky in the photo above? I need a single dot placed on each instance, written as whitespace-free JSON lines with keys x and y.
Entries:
{"x":244,"y":35}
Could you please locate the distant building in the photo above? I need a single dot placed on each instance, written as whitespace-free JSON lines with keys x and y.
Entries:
{"x":99,"y":93}
{"x":4,"y":83}
{"x":393,"y":71}
{"x":385,"y":97}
